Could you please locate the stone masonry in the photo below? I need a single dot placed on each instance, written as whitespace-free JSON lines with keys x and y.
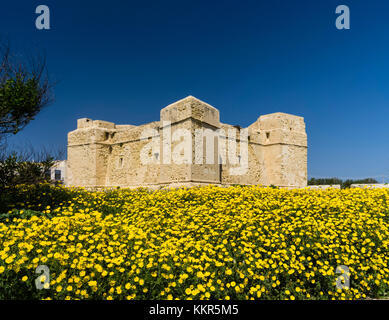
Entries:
{"x":104,"y":154}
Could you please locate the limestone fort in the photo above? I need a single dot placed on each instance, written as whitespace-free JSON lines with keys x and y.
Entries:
{"x":188,"y":146}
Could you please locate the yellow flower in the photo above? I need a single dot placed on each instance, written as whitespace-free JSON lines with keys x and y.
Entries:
{"x":92,"y":283}
{"x":201,"y":242}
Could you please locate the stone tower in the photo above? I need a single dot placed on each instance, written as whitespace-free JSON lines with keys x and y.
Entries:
{"x":188,"y":146}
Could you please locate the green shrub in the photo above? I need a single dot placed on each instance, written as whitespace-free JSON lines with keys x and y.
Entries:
{"x":34,"y":197}
{"x":14,"y":170}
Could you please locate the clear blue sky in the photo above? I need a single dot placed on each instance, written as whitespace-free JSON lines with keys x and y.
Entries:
{"x":123,"y":61}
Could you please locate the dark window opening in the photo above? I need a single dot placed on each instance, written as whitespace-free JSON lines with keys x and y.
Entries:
{"x":57,"y":175}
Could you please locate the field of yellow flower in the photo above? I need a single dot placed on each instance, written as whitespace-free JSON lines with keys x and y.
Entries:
{"x":200,"y":243}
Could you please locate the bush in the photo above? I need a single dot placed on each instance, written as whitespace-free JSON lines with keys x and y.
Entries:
{"x":324,"y":181}
{"x":34,"y":197}
{"x":14,"y":171}
{"x":9,"y":217}
{"x":343,"y":183}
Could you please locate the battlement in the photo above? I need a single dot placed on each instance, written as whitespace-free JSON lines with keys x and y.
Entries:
{"x":89,"y":123}
{"x":105,"y":154}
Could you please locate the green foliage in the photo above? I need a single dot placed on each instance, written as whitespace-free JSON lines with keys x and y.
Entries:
{"x":8,"y":170}
{"x":34,"y":197}
{"x":19,"y":103}
{"x":324,"y":181}
{"x":24,"y":91}
{"x":21,"y":214}
{"x":349,"y":182}
{"x":15,"y":171}
{"x":343,"y":183}
{"x":14,"y":289}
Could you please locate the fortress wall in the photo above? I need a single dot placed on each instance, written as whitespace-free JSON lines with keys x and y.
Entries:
{"x":81,"y":166}
{"x":205,"y":165}
{"x":285,"y":149}
{"x":256,"y":169}
{"x":227,"y":166}
{"x":255,"y":165}
{"x":226,"y":177}
{"x":119,"y":165}
{"x":169,"y":170}
{"x":294,"y":165}
{"x":190,"y":114}
{"x":87,"y":155}
{"x":125,"y":167}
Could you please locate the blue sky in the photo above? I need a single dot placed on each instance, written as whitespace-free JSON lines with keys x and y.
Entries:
{"x":123,"y":61}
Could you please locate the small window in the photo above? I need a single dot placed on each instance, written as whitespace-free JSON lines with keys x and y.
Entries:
{"x":120,"y":162}
{"x":57,"y":175}
{"x":106,"y":136}
{"x":267,"y":135}
{"x":156,"y":155}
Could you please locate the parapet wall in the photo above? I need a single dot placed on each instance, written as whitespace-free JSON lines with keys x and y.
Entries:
{"x":188,"y":146}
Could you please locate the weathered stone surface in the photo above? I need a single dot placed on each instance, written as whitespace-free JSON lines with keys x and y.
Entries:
{"x":103,"y":154}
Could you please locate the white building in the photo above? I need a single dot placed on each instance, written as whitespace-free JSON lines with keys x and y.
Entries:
{"x":58,"y":172}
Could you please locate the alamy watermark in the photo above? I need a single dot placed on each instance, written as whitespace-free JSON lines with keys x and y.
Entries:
{"x":343,"y":20}
{"x":43,"y":280}
{"x":42,"y":22}
{"x":343,"y":281}
{"x":206,"y":146}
